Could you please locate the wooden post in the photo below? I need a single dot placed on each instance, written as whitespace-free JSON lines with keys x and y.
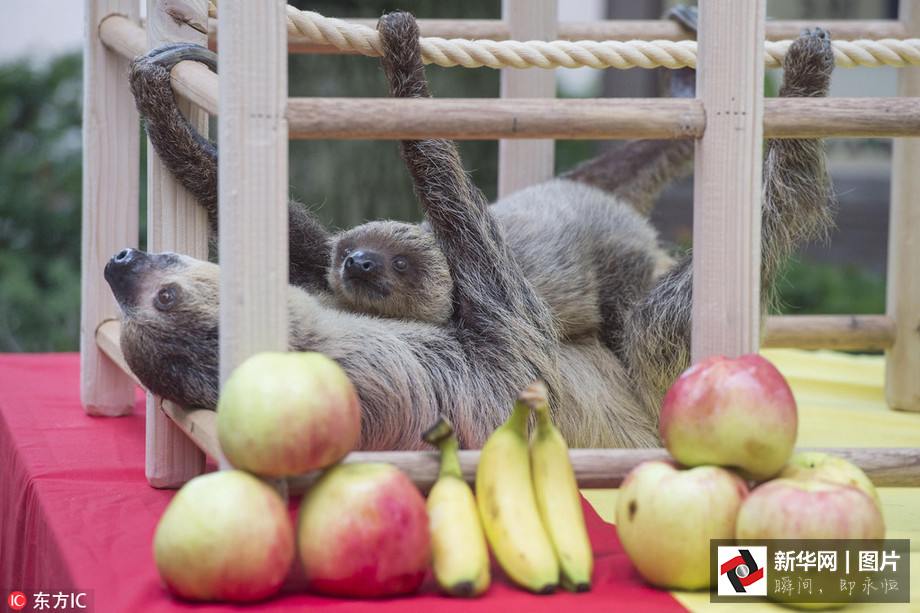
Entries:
{"x":253,"y":180}
{"x":525,"y":162}
{"x":726,"y":195}
{"x":175,"y":223}
{"x":110,"y":203}
{"x":902,"y":385}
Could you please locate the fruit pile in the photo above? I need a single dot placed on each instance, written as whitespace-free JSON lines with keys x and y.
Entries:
{"x":729,"y":423}
{"x":364,"y":529}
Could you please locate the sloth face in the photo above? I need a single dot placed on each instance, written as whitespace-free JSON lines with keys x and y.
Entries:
{"x":391,"y":269}
{"x":169,"y":322}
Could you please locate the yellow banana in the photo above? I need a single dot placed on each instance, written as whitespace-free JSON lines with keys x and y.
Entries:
{"x":557,"y":495}
{"x":508,"y":507}
{"x":459,"y":554}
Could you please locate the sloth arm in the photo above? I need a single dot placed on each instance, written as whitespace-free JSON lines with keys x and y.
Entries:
{"x":797,"y":205}
{"x":495,"y":307}
{"x":192,"y":159}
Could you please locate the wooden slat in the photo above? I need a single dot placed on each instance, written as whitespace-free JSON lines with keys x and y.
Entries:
{"x":473,"y":118}
{"x":902,"y":383}
{"x":253,"y":182}
{"x":727,"y":180}
{"x":110,"y":202}
{"x":490,"y":118}
{"x":620,"y":30}
{"x":837,"y":332}
{"x":521,"y":164}
{"x":606,"y":468}
{"x":175,"y":223}
{"x":193,"y":81}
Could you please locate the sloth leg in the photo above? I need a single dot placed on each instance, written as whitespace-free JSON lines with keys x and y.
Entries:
{"x":188,"y":156}
{"x":797,"y":205}
{"x":192,"y":158}
{"x":497,"y":309}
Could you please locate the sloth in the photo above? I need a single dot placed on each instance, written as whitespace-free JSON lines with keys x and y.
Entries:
{"x":501,"y":334}
{"x":568,"y":234}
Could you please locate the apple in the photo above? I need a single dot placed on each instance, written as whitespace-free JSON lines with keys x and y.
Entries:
{"x":282,"y":414}
{"x":666,"y":515}
{"x":362,"y":531}
{"x":828,"y":467}
{"x":224,"y":536}
{"x":800,"y":509}
{"x":808,"y":509}
{"x":734,"y":412}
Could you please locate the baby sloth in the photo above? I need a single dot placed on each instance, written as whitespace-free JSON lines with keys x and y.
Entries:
{"x":391,"y":269}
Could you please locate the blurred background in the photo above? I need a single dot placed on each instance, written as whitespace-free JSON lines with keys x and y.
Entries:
{"x":348,"y":182}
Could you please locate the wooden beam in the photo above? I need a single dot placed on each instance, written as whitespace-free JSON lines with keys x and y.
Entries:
{"x":491,"y":118}
{"x":111,"y":176}
{"x":727,"y":179}
{"x":253,"y":181}
{"x":902,"y":385}
{"x":836,"y":332}
{"x":474,"y":118}
{"x":175,"y":223}
{"x":619,"y":30}
{"x":521,"y":164}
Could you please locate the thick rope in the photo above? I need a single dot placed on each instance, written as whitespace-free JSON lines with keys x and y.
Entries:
{"x":358,"y":38}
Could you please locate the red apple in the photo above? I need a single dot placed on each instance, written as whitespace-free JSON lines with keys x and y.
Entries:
{"x":224,"y":536}
{"x":666,"y":515}
{"x":282,"y":414}
{"x":362,"y":531}
{"x":808,"y":509}
{"x":828,"y":467}
{"x":737,"y":413}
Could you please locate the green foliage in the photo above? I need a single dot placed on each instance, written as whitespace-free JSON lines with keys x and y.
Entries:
{"x":825,"y":289}
{"x":40,"y":175}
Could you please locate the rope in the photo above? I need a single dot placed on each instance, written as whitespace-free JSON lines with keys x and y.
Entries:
{"x":357,"y":38}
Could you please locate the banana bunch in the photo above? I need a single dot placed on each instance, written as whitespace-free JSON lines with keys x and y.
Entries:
{"x":459,"y":554}
{"x":557,"y":495}
{"x":529,"y":502}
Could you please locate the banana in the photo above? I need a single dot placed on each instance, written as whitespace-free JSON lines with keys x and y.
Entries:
{"x":508,"y":507}
{"x":557,"y":495}
{"x":459,"y":554}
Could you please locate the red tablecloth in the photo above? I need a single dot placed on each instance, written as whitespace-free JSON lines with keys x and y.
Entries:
{"x":77,"y":516}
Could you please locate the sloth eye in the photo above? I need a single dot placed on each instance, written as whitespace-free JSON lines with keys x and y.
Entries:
{"x":345,"y":252}
{"x":165,"y":298}
{"x":401,"y":264}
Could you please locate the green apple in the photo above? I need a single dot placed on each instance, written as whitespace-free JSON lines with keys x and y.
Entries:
{"x":362,"y":531}
{"x":283,"y":414}
{"x":224,"y":536}
{"x":666,"y":515}
{"x":828,"y":467}
{"x":732,"y":412}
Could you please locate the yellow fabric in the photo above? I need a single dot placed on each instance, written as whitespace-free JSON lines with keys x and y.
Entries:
{"x":841,"y":403}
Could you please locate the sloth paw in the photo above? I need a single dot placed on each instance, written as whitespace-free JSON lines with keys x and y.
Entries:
{"x":148,"y":75}
{"x":808,"y":65}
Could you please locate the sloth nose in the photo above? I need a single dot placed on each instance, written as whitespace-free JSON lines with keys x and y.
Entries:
{"x":362,"y":264}
{"x":124,"y":257}
{"x":122,"y":270}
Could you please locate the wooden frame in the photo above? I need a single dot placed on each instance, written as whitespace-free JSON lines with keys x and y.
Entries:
{"x":257,"y":51}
